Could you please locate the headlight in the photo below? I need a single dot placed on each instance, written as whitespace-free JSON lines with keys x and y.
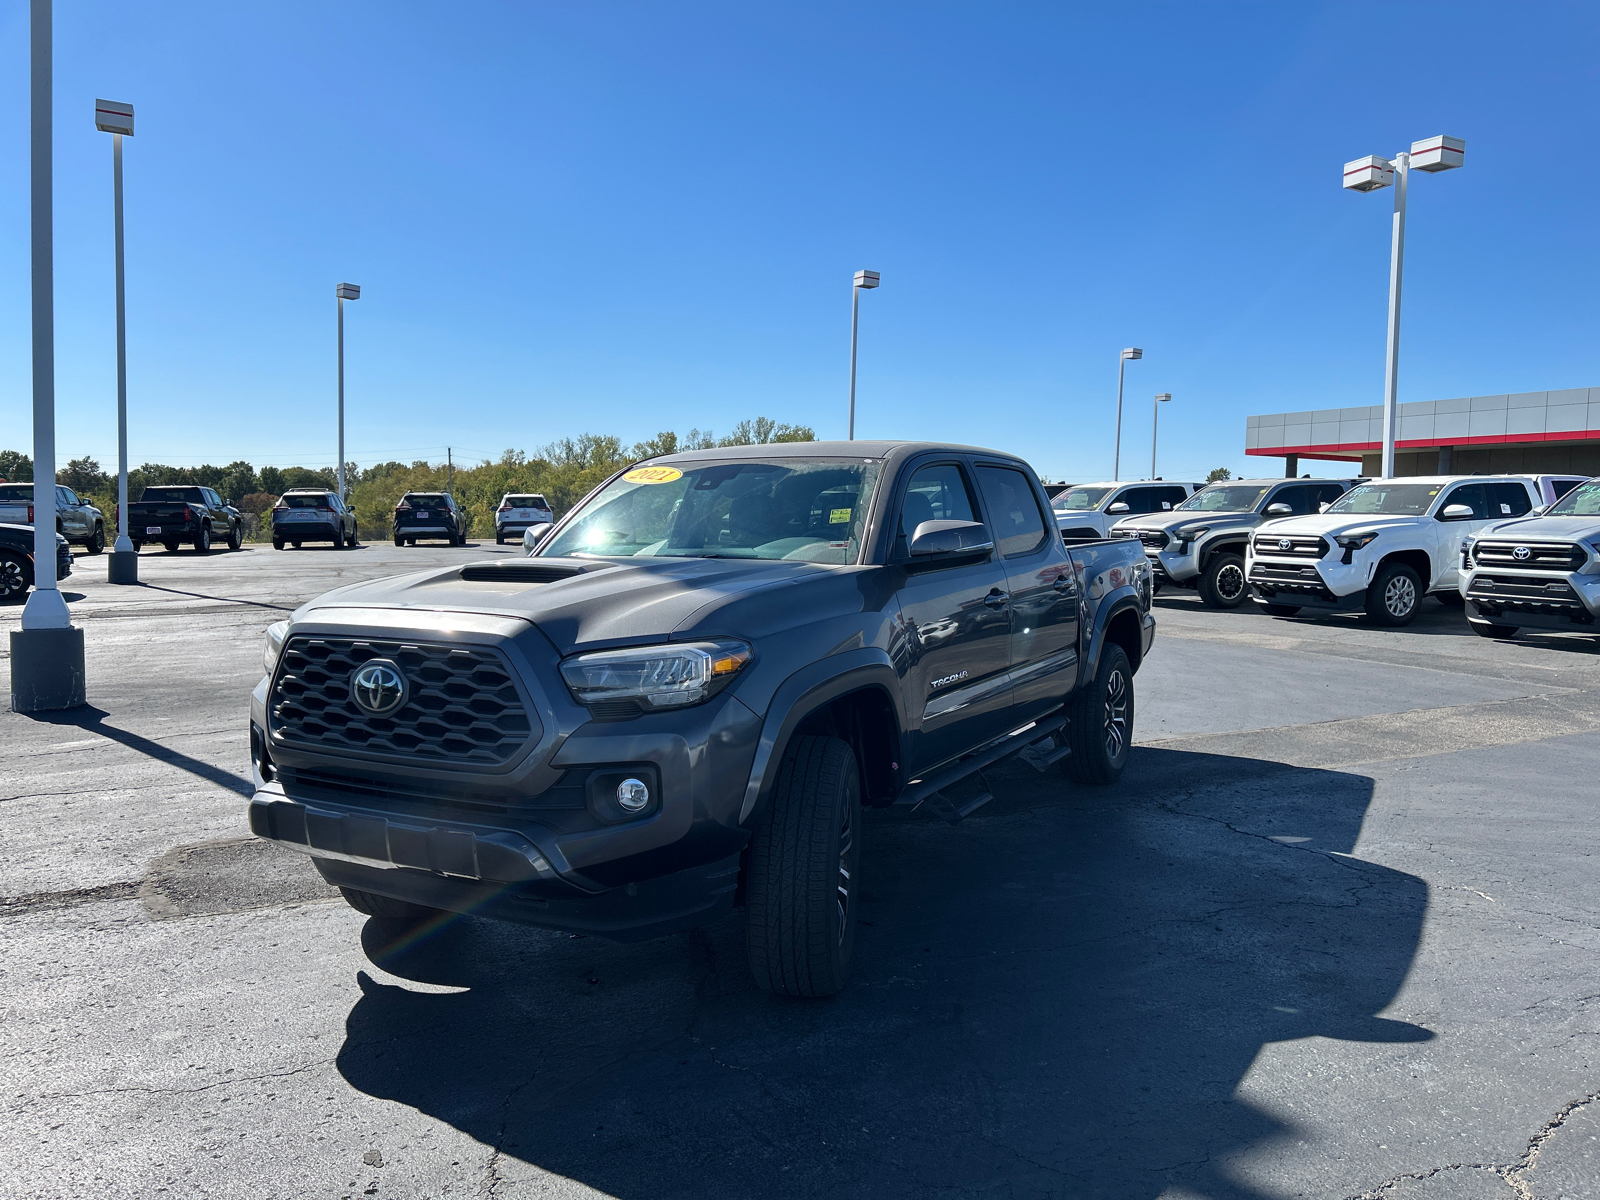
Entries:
{"x":1355,"y":541}
{"x":654,"y":677}
{"x":275,"y":636}
{"x":1189,"y":535}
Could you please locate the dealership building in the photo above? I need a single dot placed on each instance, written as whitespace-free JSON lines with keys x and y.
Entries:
{"x":1547,"y":433}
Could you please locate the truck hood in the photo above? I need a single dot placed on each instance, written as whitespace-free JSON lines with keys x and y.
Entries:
{"x":610,"y":602}
{"x":1331,"y":524}
{"x":1555,"y":529}
{"x":1175,"y":522}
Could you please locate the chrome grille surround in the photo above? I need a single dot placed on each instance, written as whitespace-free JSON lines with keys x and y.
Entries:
{"x":1300,"y":546}
{"x":1542,"y":556}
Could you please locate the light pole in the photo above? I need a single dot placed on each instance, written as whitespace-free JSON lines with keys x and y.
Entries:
{"x":47,"y":652}
{"x":1368,"y":175}
{"x":1132,"y":352}
{"x":344,"y":291}
{"x":117,"y":120}
{"x":863,"y":280}
{"x":1155,"y":417}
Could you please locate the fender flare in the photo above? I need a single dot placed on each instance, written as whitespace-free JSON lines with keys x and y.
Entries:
{"x":800,"y":695}
{"x":1124,"y":599}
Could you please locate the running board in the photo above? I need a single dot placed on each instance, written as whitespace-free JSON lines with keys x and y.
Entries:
{"x":929,"y":788}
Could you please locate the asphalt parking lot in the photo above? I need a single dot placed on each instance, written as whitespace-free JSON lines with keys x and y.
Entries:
{"x":1335,"y":934}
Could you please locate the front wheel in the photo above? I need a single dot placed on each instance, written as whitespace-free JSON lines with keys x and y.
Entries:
{"x":97,"y":542}
{"x":15,"y":577}
{"x":387,"y":907}
{"x":1100,"y":721}
{"x":1222,"y":583}
{"x":235,"y":537}
{"x":803,"y":882}
{"x":1393,"y":596}
{"x":1280,"y":610}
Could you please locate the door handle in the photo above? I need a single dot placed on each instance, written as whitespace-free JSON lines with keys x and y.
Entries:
{"x":1063,"y":583}
{"x":996,"y":598}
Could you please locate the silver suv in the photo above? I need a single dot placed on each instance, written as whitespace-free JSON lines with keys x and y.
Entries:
{"x":519,"y":512}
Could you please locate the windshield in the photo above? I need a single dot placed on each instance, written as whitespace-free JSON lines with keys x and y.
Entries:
{"x":1581,"y":501}
{"x":1225,"y":498}
{"x":172,"y":493}
{"x":807,"y":509}
{"x":1392,"y":499}
{"x":1080,"y":499}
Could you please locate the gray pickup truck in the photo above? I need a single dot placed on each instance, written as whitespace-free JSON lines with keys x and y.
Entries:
{"x":682,"y":700}
{"x":76,"y":519}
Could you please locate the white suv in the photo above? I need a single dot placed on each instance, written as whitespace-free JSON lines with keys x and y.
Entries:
{"x":1088,"y":510}
{"x":518,"y":512}
{"x":1383,"y":545}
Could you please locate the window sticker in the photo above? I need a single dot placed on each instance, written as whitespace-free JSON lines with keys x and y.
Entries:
{"x":652,"y":475}
{"x":1505,"y":508}
{"x":839,"y":516}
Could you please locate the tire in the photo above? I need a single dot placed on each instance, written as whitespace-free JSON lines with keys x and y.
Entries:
{"x":296,"y":545}
{"x":1100,"y":722}
{"x":202,"y":540}
{"x":97,"y":540}
{"x":1222,"y":583}
{"x":799,"y":932}
{"x":137,"y":546}
{"x":498,"y":540}
{"x":172,"y":547}
{"x":15,"y":577}
{"x":1505,"y":632}
{"x":1280,"y":610}
{"x":387,"y":907}
{"x":235,"y":537}
{"x":1393,"y":597}
{"x":1450,"y":599}
{"x":399,"y":541}
{"x":277,"y":543}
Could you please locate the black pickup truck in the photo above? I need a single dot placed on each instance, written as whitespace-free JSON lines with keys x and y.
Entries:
{"x":193,"y":516}
{"x":680,"y":702}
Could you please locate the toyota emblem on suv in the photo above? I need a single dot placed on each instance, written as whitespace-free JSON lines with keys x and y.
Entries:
{"x":378,"y":686}
{"x":1522,"y":554}
{"x":1285,"y":544}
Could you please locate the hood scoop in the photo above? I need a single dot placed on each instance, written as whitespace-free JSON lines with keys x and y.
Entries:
{"x":527,"y":571}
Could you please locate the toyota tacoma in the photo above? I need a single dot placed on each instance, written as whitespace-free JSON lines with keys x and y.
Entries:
{"x":1541,"y":572}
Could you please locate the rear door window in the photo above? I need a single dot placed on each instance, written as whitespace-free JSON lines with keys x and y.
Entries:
{"x":1508,"y":500}
{"x":1139,"y":500}
{"x":1165,"y":499}
{"x":1013,"y":510}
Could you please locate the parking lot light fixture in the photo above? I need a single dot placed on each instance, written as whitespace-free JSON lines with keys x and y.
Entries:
{"x":1440,"y":153}
{"x":1131,"y":353}
{"x":344,"y":291}
{"x":122,"y":565}
{"x":863,"y":281}
{"x":1155,"y":418}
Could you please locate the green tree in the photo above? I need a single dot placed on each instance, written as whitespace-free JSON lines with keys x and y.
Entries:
{"x":16,"y":466}
{"x":84,"y":476}
{"x":1219,"y":474}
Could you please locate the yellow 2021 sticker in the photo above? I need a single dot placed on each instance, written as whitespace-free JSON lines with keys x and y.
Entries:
{"x":839,"y":516}
{"x":653,"y":475}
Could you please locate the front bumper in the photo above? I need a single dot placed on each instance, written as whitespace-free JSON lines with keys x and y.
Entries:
{"x":1310,"y":583}
{"x":1173,"y":565}
{"x":1530,"y":599}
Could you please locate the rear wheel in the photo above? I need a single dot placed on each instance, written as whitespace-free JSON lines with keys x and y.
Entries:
{"x":499,"y":539}
{"x":277,"y":543}
{"x":388,"y":907}
{"x":172,"y":547}
{"x":296,"y":545}
{"x":1280,"y":610}
{"x":1494,"y":631}
{"x":202,"y":540}
{"x":138,"y":546}
{"x":398,"y":540}
{"x":97,"y":542}
{"x":1393,"y":596}
{"x":803,"y":882}
{"x":1222,"y":583}
{"x":1100,"y":722}
{"x":15,"y":577}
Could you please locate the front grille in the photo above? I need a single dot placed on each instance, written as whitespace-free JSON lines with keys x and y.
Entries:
{"x":1154,"y":539}
{"x":1280,"y":571}
{"x":1298,"y":547}
{"x":464,"y":709}
{"x":1541,"y":556}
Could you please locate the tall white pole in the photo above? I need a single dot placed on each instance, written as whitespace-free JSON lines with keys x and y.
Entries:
{"x":1155,"y":420}
{"x":1116,"y":459}
{"x":855,"y":316}
{"x":1391,"y":373}
{"x":45,"y":608}
{"x":124,"y":545}
{"x":341,"y":397}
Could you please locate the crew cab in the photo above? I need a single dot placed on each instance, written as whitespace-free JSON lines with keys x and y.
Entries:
{"x":16,"y":561}
{"x":1088,"y":510}
{"x":1540,"y":572}
{"x":76,"y":519}
{"x":430,"y":515}
{"x":518,"y":513}
{"x":1202,"y":543}
{"x":313,"y":515}
{"x":184,"y":515}
{"x":684,"y":699}
{"x":1382,"y":546}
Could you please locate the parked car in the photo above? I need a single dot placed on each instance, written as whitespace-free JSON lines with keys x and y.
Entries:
{"x":1553,"y":487}
{"x":16,"y":561}
{"x":1201,"y":543}
{"x":1382,"y":546}
{"x":184,"y":515}
{"x":430,"y":515}
{"x":76,"y":520}
{"x":1539,"y":572}
{"x":683,"y":701}
{"x":1089,"y":510}
{"x":313,"y":515}
{"x":518,"y":512}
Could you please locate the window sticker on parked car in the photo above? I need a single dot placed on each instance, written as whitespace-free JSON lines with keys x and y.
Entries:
{"x":653,"y":475}
{"x":839,"y":516}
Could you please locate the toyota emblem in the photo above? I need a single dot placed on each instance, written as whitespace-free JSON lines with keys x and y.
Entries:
{"x":1522,"y":554}
{"x":378,"y":686}
{"x":1285,"y":544}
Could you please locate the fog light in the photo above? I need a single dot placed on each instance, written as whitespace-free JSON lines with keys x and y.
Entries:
{"x":633,"y":796}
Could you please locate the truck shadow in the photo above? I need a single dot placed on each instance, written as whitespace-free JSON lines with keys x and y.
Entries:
{"x":1058,"y":997}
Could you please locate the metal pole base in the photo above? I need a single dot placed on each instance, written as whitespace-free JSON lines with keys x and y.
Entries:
{"x":46,"y":669}
{"x":122,"y":566}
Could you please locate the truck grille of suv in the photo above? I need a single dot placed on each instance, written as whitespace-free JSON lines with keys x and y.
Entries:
{"x":1298,"y":547}
{"x":1154,"y":539}
{"x":463,"y":709}
{"x":1541,"y":556}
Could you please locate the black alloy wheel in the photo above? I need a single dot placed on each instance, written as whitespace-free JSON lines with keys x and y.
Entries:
{"x":1393,"y":597}
{"x":15,"y":577}
{"x":1222,"y":583}
{"x":1100,"y":721}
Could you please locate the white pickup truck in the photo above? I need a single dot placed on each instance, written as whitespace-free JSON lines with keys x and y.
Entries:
{"x":1086,"y":511}
{"x":1542,"y":572}
{"x":1383,"y":545}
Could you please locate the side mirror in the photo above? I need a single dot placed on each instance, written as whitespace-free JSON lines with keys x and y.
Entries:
{"x":1118,"y":507}
{"x":950,"y":537}
{"x":1456,"y":512}
{"x":1279,"y":509}
{"x":1538,"y":512}
{"x":534,"y":535}
{"x":1323,"y":507}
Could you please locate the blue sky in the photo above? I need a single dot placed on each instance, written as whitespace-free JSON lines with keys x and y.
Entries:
{"x":632,"y":217}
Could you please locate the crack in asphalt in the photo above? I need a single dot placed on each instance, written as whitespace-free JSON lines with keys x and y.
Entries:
{"x":101,"y":894}
{"x":180,"y":1091}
